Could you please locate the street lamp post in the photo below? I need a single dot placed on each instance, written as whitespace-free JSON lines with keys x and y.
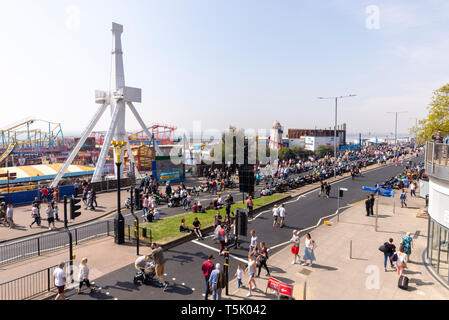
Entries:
{"x":335,"y":128}
{"x":119,"y":224}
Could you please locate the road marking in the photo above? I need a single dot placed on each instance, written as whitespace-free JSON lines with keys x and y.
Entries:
{"x":174,"y":279}
{"x":216,"y":250}
{"x":310,"y":228}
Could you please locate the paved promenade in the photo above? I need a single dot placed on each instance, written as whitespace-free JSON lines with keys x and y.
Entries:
{"x":336,"y":276}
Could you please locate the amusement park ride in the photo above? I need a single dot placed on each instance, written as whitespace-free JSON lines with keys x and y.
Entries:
{"x":30,"y":141}
{"x":119,"y":98}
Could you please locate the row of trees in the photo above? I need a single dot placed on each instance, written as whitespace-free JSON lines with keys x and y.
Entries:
{"x":293,"y":152}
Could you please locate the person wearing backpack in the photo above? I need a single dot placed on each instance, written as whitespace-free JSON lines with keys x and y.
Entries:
{"x":388,"y":249}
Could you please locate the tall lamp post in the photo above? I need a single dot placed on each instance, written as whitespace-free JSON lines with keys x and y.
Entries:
{"x":335,"y":128}
{"x":396,"y":129}
{"x":119,"y":223}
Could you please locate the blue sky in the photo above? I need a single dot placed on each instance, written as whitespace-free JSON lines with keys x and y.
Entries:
{"x":244,"y":63}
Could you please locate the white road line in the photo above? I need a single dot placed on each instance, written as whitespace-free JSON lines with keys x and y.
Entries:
{"x":216,"y":250}
{"x":310,"y":228}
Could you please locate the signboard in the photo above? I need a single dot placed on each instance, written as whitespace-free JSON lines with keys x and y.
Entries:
{"x":286,"y":290}
{"x":273,"y":284}
{"x":310,"y":140}
{"x":170,"y":176}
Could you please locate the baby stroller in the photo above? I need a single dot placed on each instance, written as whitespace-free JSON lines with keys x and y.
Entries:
{"x":146,"y":274}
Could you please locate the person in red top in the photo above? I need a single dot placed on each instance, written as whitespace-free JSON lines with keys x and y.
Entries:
{"x":44,"y":194}
{"x":207,"y":269}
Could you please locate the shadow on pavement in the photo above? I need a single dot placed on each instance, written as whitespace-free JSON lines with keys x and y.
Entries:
{"x":318,"y":266}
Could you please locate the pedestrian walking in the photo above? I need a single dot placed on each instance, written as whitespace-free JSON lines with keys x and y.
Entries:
{"x":282,"y":215}
{"x":222,"y":239}
{"x":60,"y":281}
{"x":239,"y":274}
{"x":322,"y":187}
{"x":3,"y":214}
{"x":413,"y":189}
{"x":328,"y":189}
{"x":10,"y":216}
{"x":401,"y":260}
{"x":403,"y":198}
{"x":262,"y":259}
{"x":35,"y":215}
{"x":308,"y":251}
{"x":253,"y":242}
{"x":251,"y":270}
{"x":295,"y":246}
{"x":407,"y":243}
{"x":50,"y":217}
{"x":388,"y":250}
{"x":217,"y":282}
{"x":159,"y":262}
{"x":275,"y":215}
{"x":207,"y":269}
{"x":83,"y":276}
{"x":250,"y":206}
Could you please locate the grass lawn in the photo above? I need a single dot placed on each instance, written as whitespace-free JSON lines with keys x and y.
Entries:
{"x":167,"y":229}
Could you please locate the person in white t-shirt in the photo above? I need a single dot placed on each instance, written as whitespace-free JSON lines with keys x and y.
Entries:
{"x":60,"y":280}
{"x":253,"y":244}
{"x":251,"y":270}
{"x":282,"y":214}
{"x":275,"y":215}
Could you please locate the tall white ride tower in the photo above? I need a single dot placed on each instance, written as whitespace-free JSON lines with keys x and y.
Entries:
{"x":118,"y":98}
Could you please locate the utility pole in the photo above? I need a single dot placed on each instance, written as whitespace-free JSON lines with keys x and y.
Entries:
{"x":335,"y":127}
{"x":396,"y":125}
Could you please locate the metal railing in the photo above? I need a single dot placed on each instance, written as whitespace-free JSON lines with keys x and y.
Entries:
{"x":437,"y":153}
{"x":31,"y":285}
{"x":145,"y":234}
{"x":36,"y":246}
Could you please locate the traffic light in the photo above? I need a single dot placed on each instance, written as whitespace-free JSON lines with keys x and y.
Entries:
{"x":138,"y":201}
{"x":74,"y":208}
{"x":341,"y":190}
{"x":341,"y":193}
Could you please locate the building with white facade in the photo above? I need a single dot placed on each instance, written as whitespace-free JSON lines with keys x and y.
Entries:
{"x":437,"y":168}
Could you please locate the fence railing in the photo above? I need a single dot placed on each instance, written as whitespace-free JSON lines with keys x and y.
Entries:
{"x":145,"y":234}
{"x":437,"y":153}
{"x":36,"y":246}
{"x":31,"y":285}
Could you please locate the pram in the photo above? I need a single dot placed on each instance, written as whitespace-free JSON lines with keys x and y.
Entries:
{"x":145,"y":274}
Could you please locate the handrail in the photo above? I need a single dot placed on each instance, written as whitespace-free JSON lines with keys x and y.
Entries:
{"x":437,"y":154}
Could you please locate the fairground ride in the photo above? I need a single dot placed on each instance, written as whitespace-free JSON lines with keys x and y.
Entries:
{"x":31,"y":141}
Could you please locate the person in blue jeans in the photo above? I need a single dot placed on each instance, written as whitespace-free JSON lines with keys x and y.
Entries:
{"x":390,"y":249}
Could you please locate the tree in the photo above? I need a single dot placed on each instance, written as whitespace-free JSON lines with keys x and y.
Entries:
{"x":437,"y":119}
{"x":301,"y":152}
{"x":286,"y":153}
{"x":323,"y":150}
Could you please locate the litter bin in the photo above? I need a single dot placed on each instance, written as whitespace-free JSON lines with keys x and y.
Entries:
{"x":119,"y":229}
